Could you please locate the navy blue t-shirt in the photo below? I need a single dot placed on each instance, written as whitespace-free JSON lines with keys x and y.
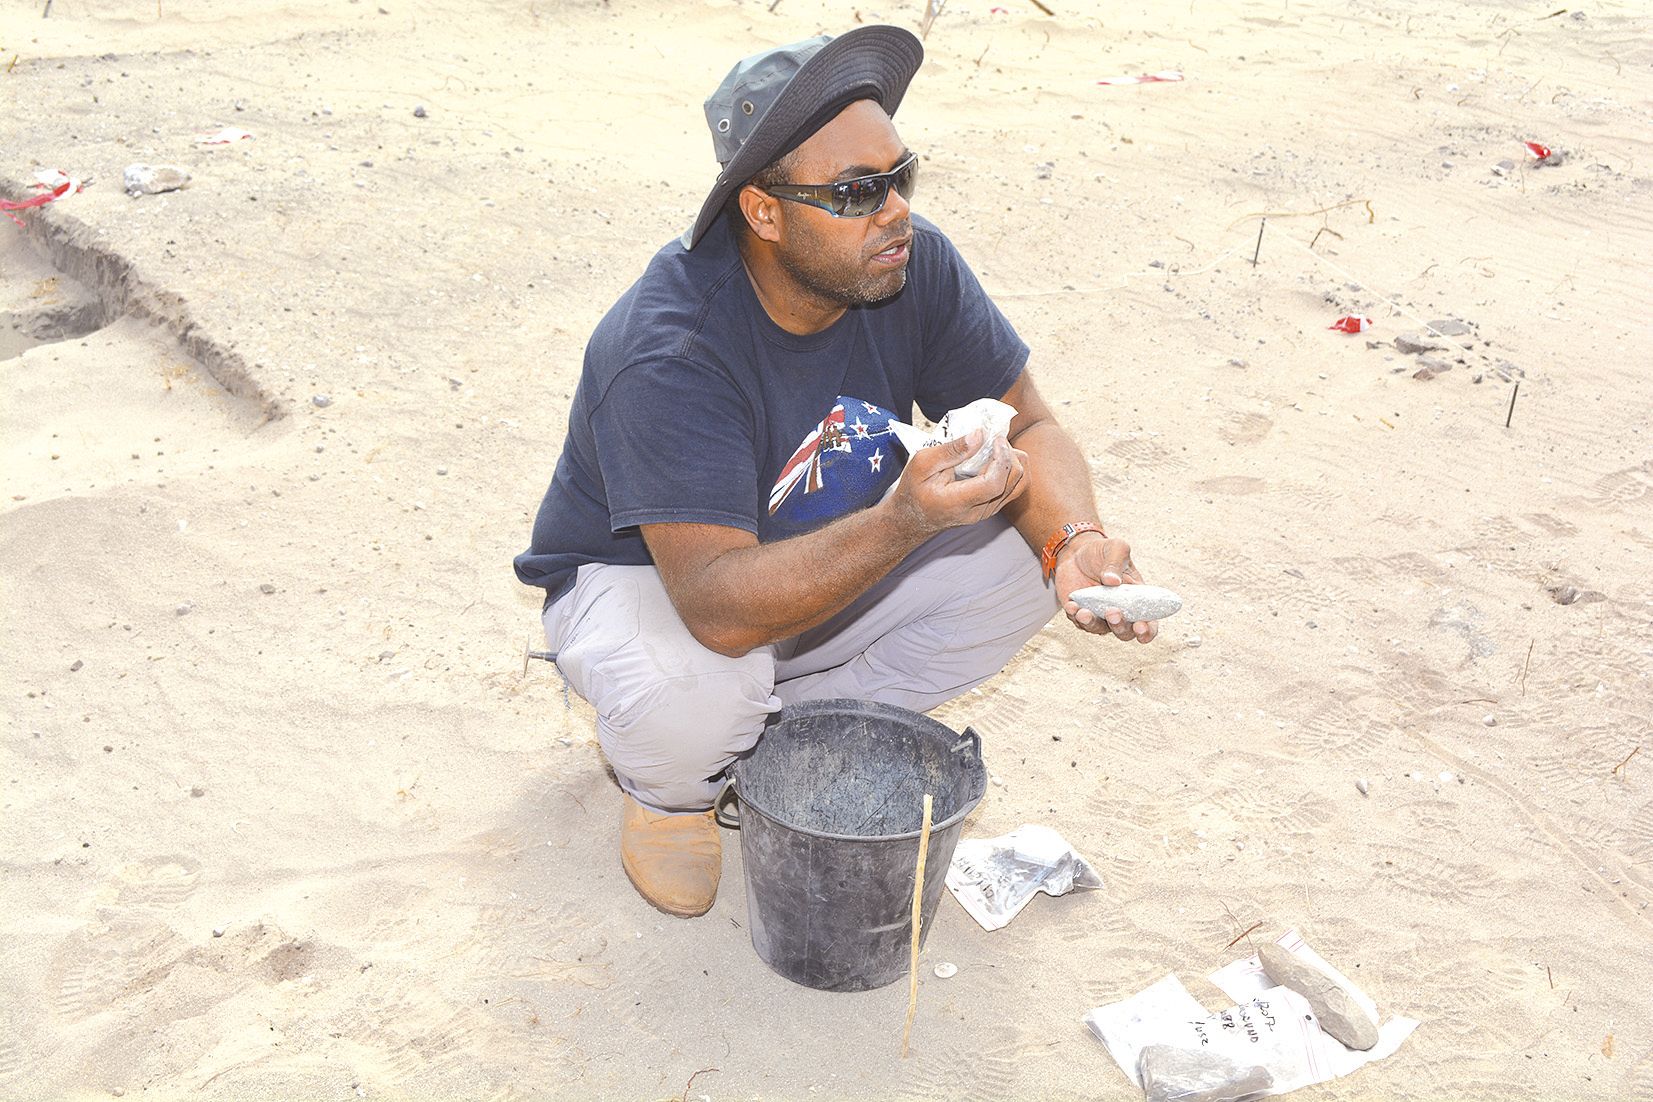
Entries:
{"x":694,"y":406}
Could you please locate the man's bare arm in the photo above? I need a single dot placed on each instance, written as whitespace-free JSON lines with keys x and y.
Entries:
{"x":735,"y":594}
{"x":1060,"y":492}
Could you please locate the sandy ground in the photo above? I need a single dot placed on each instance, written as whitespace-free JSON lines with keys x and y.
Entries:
{"x":263,"y":672}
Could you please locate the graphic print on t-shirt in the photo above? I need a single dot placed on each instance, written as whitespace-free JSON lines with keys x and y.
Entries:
{"x":847,"y":462}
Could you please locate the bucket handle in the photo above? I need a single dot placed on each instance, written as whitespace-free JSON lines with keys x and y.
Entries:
{"x":968,"y":738}
{"x":726,"y":808}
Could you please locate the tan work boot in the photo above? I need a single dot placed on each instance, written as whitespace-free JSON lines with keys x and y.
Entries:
{"x":674,"y":861}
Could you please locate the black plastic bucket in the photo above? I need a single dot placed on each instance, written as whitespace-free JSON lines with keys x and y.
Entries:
{"x":831,"y":807}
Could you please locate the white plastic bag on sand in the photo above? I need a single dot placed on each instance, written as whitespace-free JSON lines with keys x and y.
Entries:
{"x":988,"y":414}
{"x":1271,"y":1027}
{"x":994,"y":878}
{"x":226,"y":136}
{"x":154,"y":179}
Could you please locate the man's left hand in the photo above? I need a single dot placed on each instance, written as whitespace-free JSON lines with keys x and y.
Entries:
{"x":1100,"y":560}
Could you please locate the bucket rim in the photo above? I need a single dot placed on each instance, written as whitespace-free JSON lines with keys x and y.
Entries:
{"x":852,"y":705}
{"x":935,"y":828}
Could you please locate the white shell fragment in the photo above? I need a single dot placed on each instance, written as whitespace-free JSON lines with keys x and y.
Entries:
{"x":946,"y":970}
{"x":1137,"y":602}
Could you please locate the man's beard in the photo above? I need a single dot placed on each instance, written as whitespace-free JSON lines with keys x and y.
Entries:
{"x":833,"y":281}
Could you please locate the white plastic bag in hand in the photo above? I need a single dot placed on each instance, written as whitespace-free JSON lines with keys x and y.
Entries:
{"x":988,"y":414}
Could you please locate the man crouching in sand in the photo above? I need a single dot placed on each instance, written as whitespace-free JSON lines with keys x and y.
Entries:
{"x":733,"y":526}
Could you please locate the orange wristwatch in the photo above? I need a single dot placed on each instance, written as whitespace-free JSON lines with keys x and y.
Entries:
{"x":1054,"y":545}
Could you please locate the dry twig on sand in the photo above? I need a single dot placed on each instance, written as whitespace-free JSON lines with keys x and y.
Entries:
{"x":918,"y":915}
{"x":702,"y":1071}
{"x":1244,"y":933}
{"x":932,"y":10}
{"x":1626,"y":760}
{"x":1371,"y":215}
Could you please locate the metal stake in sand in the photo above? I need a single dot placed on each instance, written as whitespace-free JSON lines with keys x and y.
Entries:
{"x":1258,"y":251}
{"x":918,"y":907}
{"x":1511,"y":413}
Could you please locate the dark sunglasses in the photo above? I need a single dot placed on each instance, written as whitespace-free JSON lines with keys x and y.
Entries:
{"x":858,"y":198}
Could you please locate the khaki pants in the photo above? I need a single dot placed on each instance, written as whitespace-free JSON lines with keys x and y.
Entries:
{"x":672,"y":715}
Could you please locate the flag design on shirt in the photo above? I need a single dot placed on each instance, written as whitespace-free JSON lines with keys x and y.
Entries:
{"x":846,"y":462}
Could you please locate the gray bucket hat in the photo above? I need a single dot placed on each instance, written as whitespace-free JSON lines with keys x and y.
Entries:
{"x":758,"y":112}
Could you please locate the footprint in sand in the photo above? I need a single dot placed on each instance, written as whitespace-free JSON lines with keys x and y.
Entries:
{"x":1004,"y":1071}
{"x":1148,"y":454}
{"x":1246,"y":428}
{"x":1624,"y":487}
{"x":160,"y":882}
{"x":102,"y":965}
{"x":1238,"y":485}
{"x":14,"y":1052}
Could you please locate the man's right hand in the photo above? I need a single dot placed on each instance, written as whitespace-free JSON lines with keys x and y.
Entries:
{"x":929,"y":499}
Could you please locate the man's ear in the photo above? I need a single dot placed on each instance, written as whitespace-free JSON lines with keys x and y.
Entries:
{"x":761,"y":211}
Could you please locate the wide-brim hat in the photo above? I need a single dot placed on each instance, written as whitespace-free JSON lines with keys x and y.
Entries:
{"x":757,"y":113}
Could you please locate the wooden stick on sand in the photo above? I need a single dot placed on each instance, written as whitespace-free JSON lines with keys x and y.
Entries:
{"x":918,"y":904}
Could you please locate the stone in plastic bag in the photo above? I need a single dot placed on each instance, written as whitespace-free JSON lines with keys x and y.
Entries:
{"x":988,"y":414}
{"x":994,"y":878}
{"x":1171,"y":1074}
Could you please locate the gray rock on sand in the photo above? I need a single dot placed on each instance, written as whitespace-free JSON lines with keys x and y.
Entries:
{"x":1137,"y":602}
{"x":154,"y":179}
{"x":1451,"y":327}
{"x":1414,"y":343}
{"x":1172,"y":1074}
{"x":1334,"y":1008}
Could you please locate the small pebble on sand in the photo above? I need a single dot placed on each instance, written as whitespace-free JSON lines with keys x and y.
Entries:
{"x":182,"y":610}
{"x":946,"y":970}
{"x":1489,"y":720}
{"x":321,"y":401}
{"x":420,"y":112}
{"x":1364,"y":786}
